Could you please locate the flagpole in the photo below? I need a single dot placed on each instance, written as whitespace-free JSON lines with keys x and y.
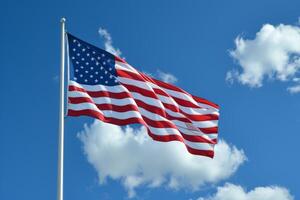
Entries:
{"x":60,"y":173}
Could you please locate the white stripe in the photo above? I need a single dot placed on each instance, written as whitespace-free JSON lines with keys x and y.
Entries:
{"x":102,"y":100}
{"x":147,"y":100}
{"x":83,"y":106}
{"x":106,"y":113}
{"x":199,"y":124}
{"x":141,"y":84}
{"x":97,"y":88}
{"x":126,"y":67}
{"x":199,"y":146}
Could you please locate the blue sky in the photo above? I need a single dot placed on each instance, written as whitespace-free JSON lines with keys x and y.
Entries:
{"x":192,"y":40}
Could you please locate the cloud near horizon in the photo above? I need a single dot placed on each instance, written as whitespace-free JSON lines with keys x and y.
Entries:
{"x":273,"y":54}
{"x":130,"y":156}
{"x":235,"y":192}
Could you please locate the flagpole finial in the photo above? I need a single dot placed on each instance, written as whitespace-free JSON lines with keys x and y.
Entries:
{"x":62,"y":20}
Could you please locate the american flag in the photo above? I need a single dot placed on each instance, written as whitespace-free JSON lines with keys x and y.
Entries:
{"x":106,"y":87}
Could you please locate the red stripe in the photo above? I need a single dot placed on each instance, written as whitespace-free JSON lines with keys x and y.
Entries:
{"x":169,"y":86}
{"x":131,"y":75}
{"x":118,"y":59}
{"x":204,"y":101}
{"x":211,"y":130}
{"x":169,"y":138}
{"x":142,"y":91}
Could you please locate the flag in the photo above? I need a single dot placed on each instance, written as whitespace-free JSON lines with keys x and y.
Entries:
{"x":106,"y":87}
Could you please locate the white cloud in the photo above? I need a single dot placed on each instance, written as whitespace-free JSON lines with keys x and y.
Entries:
{"x":274,"y":53}
{"x":108,"y":42}
{"x":294,"y":89}
{"x":235,"y":192}
{"x":166,"y":77}
{"x":129,"y":155}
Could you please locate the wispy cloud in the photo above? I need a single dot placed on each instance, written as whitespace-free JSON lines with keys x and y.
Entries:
{"x":294,"y":89}
{"x":129,"y":155}
{"x":235,"y":192}
{"x":108,"y":43}
{"x":274,"y":53}
{"x":166,"y":77}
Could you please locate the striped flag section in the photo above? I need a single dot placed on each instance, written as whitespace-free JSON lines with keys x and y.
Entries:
{"x":107,"y":88}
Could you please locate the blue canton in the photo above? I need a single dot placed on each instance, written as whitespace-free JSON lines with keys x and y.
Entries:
{"x":92,"y":66}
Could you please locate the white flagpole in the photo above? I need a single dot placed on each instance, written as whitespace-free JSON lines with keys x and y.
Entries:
{"x":60,"y":174}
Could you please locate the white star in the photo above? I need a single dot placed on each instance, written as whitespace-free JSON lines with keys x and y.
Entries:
{"x":106,"y":82}
{"x":85,"y":80}
{"x":101,"y":68}
{"x":81,"y":67}
{"x":74,"y":49}
{"x":81,"y":75}
{"x":87,"y":63}
{"x":82,"y":59}
{"x":110,"y":69}
{"x":101,"y":77}
{"x":87,"y":54}
{"x":91,"y":76}
{"x":103,"y":55}
{"x":86,"y":72}
{"x":75,"y":78}
{"x":96,"y":80}
{"x":92,"y":58}
{"x":74,"y":40}
{"x":105,"y":72}
{"x":104,"y":63}
{"x":97,"y":63}
{"x":76,"y":70}
{"x":110,"y":76}
{"x":108,"y":60}
{"x":116,"y":81}
{"x":83,"y":49}
{"x":98,"y":58}
{"x":78,"y":54}
{"x":77,"y":62}
{"x":79,"y":45}
{"x":96,"y":72}
{"x":94,"y":52}
{"x":73,"y":58}
{"x":92,"y":68}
